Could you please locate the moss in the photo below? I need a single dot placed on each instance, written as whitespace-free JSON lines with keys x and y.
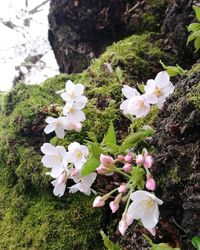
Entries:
{"x":31,"y":218}
{"x":194,"y":96}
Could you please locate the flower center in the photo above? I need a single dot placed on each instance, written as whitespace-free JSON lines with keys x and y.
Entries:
{"x":78,"y":155}
{"x":149,"y":203}
{"x":158,"y":92}
{"x":141,"y":105}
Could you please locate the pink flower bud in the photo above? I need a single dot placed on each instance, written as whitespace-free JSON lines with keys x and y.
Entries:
{"x":152,"y":231}
{"x":139,"y":159}
{"x":122,"y":188}
{"x":99,"y":202}
{"x":148,"y":161}
{"x":127,"y":167}
{"x":120,"y":158}
{"x":114,"y":206}
{"x":128,"y":158}
{"x":74,"y":172}
{"x":101,"y":169}
{"x":150,"y":184}
{"x":62,"y":178}
{"x":106,"y":160}
{"x":124,"y":223}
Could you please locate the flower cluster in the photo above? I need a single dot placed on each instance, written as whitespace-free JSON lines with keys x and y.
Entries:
{"x":72,"y":111}
{"x":156,"y":92}
{"x":64,"y":164}
{"x":135,"y":169}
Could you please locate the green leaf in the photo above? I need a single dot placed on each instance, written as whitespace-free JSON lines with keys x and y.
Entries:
{"x":119,"y":74}
{"x":94,"y":149}
{"x":197,"y":12}
{"x":197,"y":44}
{"x":108,"y":243}
{"x":133,"y":140}
{"x":173,"y":70}
{"x":141,"y":87}
{"x":111,"y":148}
{"x":196,"y":242}
{"x":161,"y":246}
{"x":110,"y":137}
{"x":90,"y":166}
{"x":194,"y":27}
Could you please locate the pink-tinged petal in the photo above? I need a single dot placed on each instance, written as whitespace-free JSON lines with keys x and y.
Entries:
{"x":148,"y":161}
{"x":56,"y":171}
{"x":128,"y":158}
{"x":50,"y":120}
{"x":49,"y":128}
{"x":101,"y":169}
{"x":80,"y":102}
{"x":106,"y":160}
{"x":98,"y":202}
{"x":65,"y":97}
{"x":124,"y":107}
{"x":73,"y":189}
{"x":122,"y":188}
{"x":127,"y":167}
{"x":120,"y":158}
{"x":62,"y":178}
{"x":114,"y":206}
{"x":151,"y":184}
{"x":48,"y":149}
{"x":60,"y":132}
{"x":79,"y":89}
{"x":129,"y":92}
{"x":162,"y":79}
{"x":152,"y":231}
{"x":59,"y":189}
{"x":140,"y":159}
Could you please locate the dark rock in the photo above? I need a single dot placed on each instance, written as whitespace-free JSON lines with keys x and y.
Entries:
{"x":177,"y":161}
{"x":80,"y":30}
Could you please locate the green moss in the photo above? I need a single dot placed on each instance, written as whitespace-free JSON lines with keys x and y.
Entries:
{"x":31,"y":218}
{"x":194,"y":96}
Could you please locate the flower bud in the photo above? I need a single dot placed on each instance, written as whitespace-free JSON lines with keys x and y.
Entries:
{"x":106,"y":160}
{"x":124,"y":223}
{"x":139,"y":159}
{"x":120,"y":158}
{"x":150,"y":184}
{"x":122,"y":188}
{"x":62,"y":178}
{"x":99,"y":202}
{"x":148,"y":161}
{"x":128,"y":158}
{"x":101,"y":169}
{"x":127,"y":167}
{"x":114,"y":206}
{"x":74,"y":172}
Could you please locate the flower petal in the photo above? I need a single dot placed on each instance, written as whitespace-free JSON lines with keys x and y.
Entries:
{"x":162,"y":79}
{"x":48,"y":149}
{"x":49,"y":128}
{"x":60,"y":133}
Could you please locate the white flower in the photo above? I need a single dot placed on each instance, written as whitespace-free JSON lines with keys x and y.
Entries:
{"x":60,"y":184}
{"x":73,"y":92}
{"x":138,"y":106}
{"x":144,"y":207}
{"x":159,"y":89}
{"x":73,"y":111}
{"x":54,"y":159}
{"x":77,"y":154}
{"x":83,"y":184}
{"x":128,"y":92}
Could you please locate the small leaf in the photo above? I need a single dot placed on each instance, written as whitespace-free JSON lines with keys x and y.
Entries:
{"x":197,"y":12}
{"x":111,"y":148}
{"x":133,"y":140}
{"x":197,"y":44}
{"x":141,"y":87}
{"x":90,"y":166}
{"x":110,"y":136}
{"x":196,"y":242}
{"x":194,"y":27}
{"x":95,"y":149}
{"x":108,"y":243}
{"x":173,"y":70}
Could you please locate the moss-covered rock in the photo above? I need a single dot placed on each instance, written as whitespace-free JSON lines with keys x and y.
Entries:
{"x":31,"y":218}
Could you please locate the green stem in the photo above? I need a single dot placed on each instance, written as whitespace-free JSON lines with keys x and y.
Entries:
{"x":128,"y":201}
{"x":121,"y":172}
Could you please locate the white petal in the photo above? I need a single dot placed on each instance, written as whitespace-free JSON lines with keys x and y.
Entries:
{"x":60,"y":133}
{"x":50,"y":161}
{"x":61,"y":150}
{"x":79,"y":164}
{"x":48,"y":149}
{"x":74,"y":188}
{"x":74,"y":146}
{"x":168,"y":90}
{"x":150,"y":86}
{"x":148,"y":221}
{"x":56,"y":171}
{"x":59,"y":189}
{"x":129,"y":92}
{"x":65,"y":96}
{"x":124,"y":106}
{"x":79,"y":89}
{"x":140,"y":195}
{"x":162,"y":79}
{"x":69,"y":86}
{"x":135,"y":212}
{"x":160,"y":102}
{"x":80,"y":102}
{"x":49,"y":128}
{"x":51,"y":120}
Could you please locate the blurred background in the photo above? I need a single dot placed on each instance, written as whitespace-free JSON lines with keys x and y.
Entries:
{"x":25,"y":53}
